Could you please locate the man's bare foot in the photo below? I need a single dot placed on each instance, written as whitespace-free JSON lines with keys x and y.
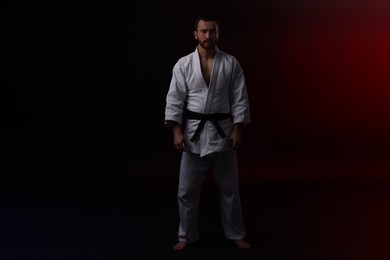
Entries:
{"x":242,"y":244}
{"x":181,"y":245}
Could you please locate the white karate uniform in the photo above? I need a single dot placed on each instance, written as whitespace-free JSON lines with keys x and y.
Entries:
{"x":226,"y":93}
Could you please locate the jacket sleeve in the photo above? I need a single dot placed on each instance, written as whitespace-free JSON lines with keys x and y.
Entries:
{"x":176,"y":96}
{"x":238,"y":96}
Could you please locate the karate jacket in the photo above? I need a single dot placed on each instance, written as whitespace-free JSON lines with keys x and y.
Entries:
{"x":226,"y":93}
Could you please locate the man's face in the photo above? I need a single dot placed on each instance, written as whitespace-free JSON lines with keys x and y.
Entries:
{"x":207,"y":34}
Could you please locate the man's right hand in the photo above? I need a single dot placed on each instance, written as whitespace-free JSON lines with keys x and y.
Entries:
{"x":178,"y":138}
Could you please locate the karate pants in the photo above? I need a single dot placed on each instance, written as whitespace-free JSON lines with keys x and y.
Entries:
{"x":193,"y":171}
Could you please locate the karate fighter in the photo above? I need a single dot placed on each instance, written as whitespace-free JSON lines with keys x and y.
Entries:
{"x":206,"y":107}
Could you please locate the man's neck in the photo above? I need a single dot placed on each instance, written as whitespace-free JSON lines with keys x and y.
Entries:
{"x":206,"y":53}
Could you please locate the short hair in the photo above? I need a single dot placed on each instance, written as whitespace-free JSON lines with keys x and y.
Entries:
{"x":207,"y":18}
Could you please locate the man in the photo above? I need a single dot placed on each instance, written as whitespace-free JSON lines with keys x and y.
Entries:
{"x":206,"y":107}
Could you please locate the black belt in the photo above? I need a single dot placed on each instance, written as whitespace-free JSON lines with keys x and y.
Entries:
{"x":214,"y":117}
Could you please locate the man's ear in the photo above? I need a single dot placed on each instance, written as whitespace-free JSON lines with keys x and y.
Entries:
{"x":196,"y":35}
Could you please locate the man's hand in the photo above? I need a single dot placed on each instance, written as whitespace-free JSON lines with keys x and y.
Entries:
{"x":178,"y":138}
{"x":235,"y":136}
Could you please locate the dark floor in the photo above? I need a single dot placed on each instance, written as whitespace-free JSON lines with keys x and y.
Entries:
{"x":286,"y":218}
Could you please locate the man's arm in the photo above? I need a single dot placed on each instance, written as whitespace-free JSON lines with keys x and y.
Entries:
{"x":235,"y":137}
{"x":178,"y":136}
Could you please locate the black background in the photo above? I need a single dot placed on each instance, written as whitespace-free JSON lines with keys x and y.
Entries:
{"x":88,"y":170}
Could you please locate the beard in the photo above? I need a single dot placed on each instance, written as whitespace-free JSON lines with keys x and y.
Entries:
{"x":207,"y":44}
